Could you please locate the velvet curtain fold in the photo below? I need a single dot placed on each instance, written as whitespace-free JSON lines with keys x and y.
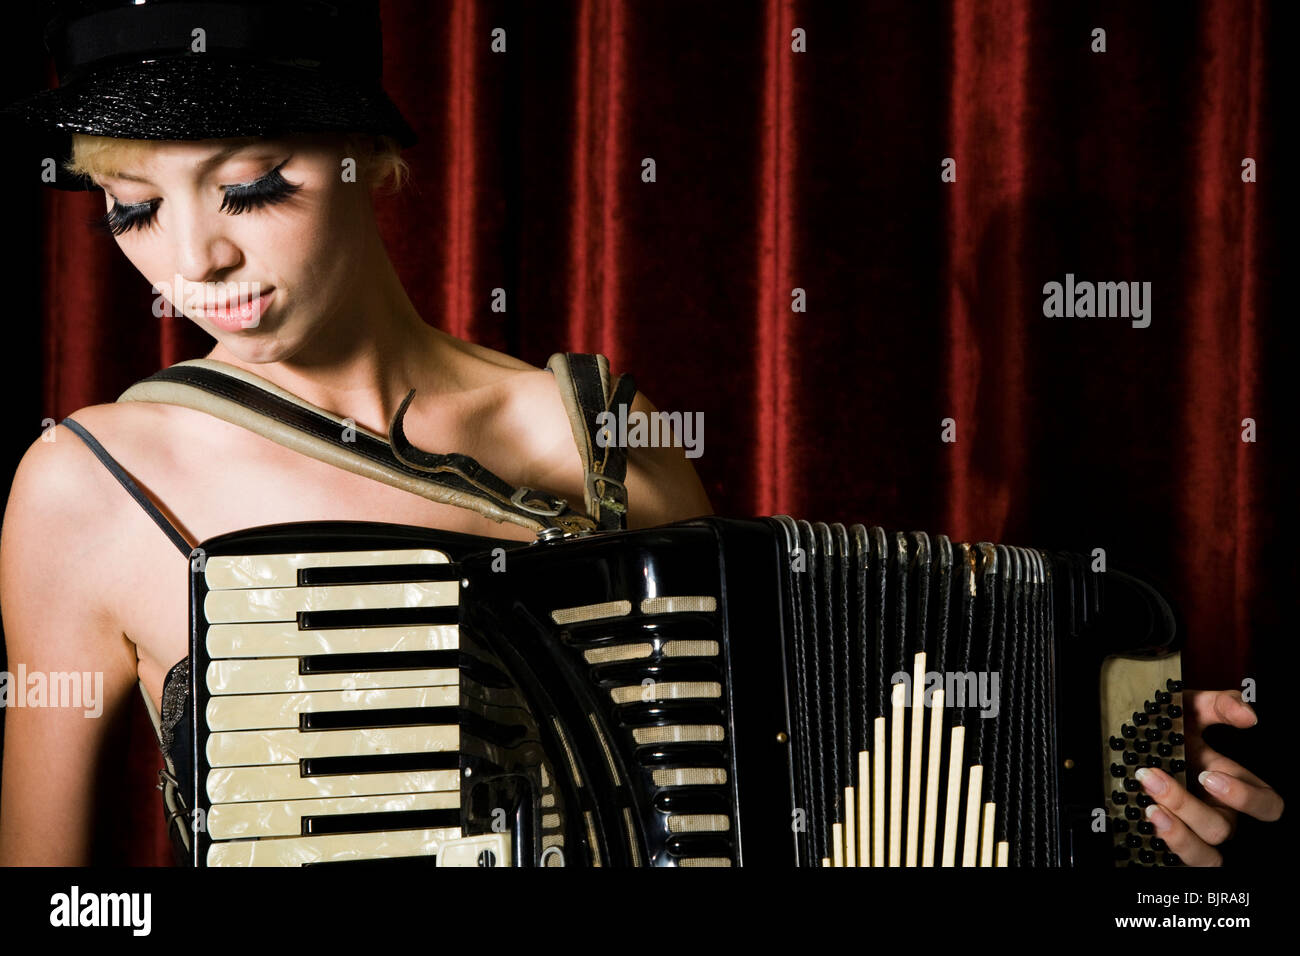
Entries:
{"x":744,"y":204}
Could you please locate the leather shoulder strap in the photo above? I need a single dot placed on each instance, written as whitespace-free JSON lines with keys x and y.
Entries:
{"x":242,"y":398}
{"x":592,"y":403}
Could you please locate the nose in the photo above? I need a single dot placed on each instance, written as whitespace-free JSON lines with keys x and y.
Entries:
{"x":205,"y":250}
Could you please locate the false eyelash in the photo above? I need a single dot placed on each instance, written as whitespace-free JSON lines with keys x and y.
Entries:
{"x":121,"y":219}
{"x":270,"y":189}
{"x":267,"y":191}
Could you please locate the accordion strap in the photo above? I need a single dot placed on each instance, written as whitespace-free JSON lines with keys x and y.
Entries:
{"x":588,"y":395}
{"x":242,"y":398}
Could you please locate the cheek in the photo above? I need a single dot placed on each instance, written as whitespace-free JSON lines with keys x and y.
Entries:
{"x":153,"y":259}
{"x":311,"y":240}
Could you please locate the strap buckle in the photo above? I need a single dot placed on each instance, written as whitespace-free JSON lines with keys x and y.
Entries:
{"x":616,"y":504}
{"x":557,"y":508}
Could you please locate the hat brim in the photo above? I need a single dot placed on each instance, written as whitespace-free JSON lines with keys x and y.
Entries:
{"x":198,"y":97}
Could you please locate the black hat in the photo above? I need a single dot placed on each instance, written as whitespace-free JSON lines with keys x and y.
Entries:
{"x":180,"y":70}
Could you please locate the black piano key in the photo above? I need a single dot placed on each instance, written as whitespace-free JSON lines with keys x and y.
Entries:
{"x":378,"y":763}
{"x":378,"y":661}
{"x":378,"y":574}
{"x":383,"y":717}
{"x":370,"y":822}
{"x":378,"y":617}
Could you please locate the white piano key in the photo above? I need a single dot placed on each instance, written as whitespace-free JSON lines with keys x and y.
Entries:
{"x":269,"y":711}
{"x":333,"y":848}
{"x":243,"y":748}
{"x":283,"y":604}
{"x":280,"y":675}
{"x":284,"y":638}
{"x":286,"y":782}
{"x":281,"y":570}
{"x":235,"y":821}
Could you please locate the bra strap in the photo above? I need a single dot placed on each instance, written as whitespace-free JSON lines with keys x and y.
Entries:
{"x":129,"y":484}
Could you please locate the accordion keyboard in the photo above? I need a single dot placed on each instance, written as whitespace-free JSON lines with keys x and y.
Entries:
{"x":331,"y":693}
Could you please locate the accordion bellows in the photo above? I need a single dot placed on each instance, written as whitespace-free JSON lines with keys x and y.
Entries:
{"x":713,"y":693}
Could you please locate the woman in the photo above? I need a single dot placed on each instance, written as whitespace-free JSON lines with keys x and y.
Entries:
{"x":325,"y":318}
{"x":252,"y":194}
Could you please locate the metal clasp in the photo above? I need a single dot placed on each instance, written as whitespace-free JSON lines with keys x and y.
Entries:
{"x":558,"y":505}
{"x":613,"y":504}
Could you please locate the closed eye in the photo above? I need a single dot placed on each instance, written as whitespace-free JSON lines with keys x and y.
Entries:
{"x":238,"y":198}
{"x":266,"y":191}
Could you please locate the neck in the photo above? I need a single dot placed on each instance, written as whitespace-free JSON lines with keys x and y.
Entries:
{"x":363,"y":362}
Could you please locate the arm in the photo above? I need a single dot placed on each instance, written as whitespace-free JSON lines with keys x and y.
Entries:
{"x":52,"y":582}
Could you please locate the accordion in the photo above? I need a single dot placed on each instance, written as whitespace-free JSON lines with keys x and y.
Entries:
{"x":716,"y":692}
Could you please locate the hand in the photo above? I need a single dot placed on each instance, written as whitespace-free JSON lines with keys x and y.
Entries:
{"x":1194,"y":826}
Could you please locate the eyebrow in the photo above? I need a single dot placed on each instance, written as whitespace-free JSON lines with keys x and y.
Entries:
{"x":204,"y":165}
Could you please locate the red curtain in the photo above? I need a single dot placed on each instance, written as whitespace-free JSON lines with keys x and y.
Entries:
{"x":797,"y":151}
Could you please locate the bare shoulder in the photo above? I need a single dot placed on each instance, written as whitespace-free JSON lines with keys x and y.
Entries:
{"x":60,"y":489}
{"x":528,"y":416}
{"x":662,"y":484}
{"x":56,"y":529}
{"x":55,"y":483}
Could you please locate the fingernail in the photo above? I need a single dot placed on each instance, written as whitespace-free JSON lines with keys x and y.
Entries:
{"x":1159,"y":818}
{"x":1213,"y":782}
{"x":1151,"y":781}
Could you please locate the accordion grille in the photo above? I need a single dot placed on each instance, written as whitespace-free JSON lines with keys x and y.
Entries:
{"x":921,"y":700}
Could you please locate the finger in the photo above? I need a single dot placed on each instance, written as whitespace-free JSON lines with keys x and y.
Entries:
{"x":1190,"y":848}
{"x":1206,"y":757}
{"x":1262,"y":803}
{"x":1210,"y":824}
{"x":1209,"y":707}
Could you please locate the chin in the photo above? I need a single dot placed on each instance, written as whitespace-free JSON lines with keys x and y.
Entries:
{"x":258,"y":349}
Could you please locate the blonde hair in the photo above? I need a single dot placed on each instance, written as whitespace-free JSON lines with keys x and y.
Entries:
{"x":379,"y":158}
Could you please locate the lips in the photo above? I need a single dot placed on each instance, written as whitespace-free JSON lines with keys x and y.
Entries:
{"x":237,"y":315}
